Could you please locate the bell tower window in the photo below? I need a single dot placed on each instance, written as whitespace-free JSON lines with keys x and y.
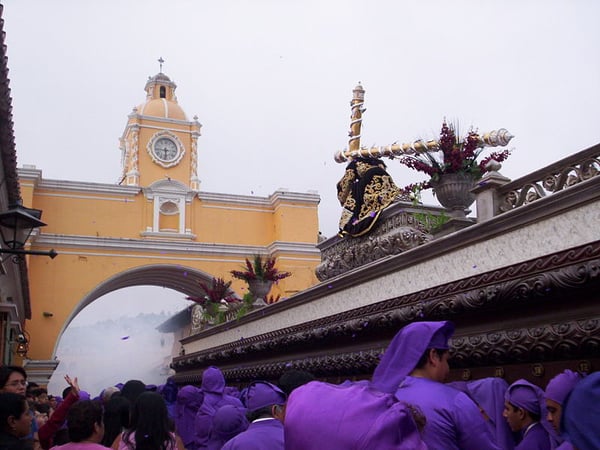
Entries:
{"x":163,"y":92}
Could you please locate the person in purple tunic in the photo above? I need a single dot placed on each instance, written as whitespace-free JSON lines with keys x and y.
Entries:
{"x":213,"y":387}
{"x":524,"y":410}
{"x":557,"y":390}
{"x":414,"y":366}
{"x":189,"y":399}
{"x":228,"y":422}
{"x":488,"y":394}
{"x":169,"y":393}
{"x":581,"y":414}
{"x":265,"y":404}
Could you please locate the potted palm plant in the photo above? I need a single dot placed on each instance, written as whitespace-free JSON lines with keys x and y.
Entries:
{"x":260,"y":274}
{"x":214,"y":302}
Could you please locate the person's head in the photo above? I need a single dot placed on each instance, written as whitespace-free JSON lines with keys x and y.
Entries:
{"x":41,"y":412}
{"x":263,"y":399}
{"x":228,"y":422}
{"x":116,"y":418}
{"x":150,"y":423}
{"x":581,"y":414}
{"x":557,"y":391}
{"x":169,"y":391}
{"x":213,"y":380}
{"x":84,"y":421}
{"x":31,"y":386}
{"x":293,"y":378}
{"x":132,"y":389}
{"x":522,"y":405}
{"x":14,"y":414}
{"x":107,"y":393}
{"x":433,"y":364}
{"x":53,"y":401}
{"x":419,"y":343}
{"x":13,"y":379}
{"x":40,"y":395}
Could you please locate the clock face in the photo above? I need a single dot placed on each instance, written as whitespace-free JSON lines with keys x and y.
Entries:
{"x":165,"y":149}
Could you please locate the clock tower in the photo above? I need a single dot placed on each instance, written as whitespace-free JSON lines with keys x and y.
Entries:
{"x":159,"y":142}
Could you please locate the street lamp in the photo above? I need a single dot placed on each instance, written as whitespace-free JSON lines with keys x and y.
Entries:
{"x":16,"y":226}
{"x":22,"y":341}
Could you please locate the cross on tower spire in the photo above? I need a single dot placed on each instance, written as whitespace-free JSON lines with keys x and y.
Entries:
{"x":161,"y":61}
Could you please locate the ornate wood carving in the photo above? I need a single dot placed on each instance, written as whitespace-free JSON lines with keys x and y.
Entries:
{"x":398,"y":232}
{"x":544,"y":281}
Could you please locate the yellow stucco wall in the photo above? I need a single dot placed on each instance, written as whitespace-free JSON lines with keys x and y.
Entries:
{"x":59,"y":285}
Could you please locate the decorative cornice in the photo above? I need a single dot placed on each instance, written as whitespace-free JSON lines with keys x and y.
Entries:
{"x":310,"y":198}
{"x":81,"y":186}
{"x":554,"y":341}
{"x":548,"y":342}
{"x":525,"y":284}
{"x":170,"y":246}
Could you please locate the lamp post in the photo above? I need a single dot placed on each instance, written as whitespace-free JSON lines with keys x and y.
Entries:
{"x":16,"y":225}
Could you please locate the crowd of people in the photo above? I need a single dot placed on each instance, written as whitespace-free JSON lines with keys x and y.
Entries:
{"x":406,"y":405}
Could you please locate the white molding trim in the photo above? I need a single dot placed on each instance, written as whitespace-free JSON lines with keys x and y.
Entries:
{"x":84,"y":186}
{"x":311,"y":198}
{"x":171,"y":246}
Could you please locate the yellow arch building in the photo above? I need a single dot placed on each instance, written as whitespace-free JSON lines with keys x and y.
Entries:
{"x":153,"y":228}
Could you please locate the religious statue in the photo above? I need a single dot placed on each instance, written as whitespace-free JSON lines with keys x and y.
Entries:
{"x":364,"y":191}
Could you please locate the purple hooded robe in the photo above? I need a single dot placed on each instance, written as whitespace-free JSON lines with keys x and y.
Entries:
{"x":528,"y":396}
{"x":169,"y":393}
{"x":228,"y":422}
{"x":453,"y":419}
{"x":348,"y":416}
{"x":488,"y":394}
{"x":262,"y":434}
{"x":213,"y":386}
{"x":189,"y":399}
{"x":581,"y":414}
{"x":558,"y":389}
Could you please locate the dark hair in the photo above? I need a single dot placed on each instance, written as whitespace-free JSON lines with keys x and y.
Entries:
{"x":81,"y":419}
{"x":132,"y":389}
{"x":116,"y":418}
{"x":42,"y":408}
{"x":11,"y":404}
{"x":292,"y":379}
{"x":7,"y":371}
{"x":66,"y":391}
{"x":150,"y":426}
{"x":265,"y":411}
{"x":36,"y":392}
{"x":423,"y":359}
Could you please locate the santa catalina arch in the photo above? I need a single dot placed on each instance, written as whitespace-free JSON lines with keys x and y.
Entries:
{"x":155,"y":227}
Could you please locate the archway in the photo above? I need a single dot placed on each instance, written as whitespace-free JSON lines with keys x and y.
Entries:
{"x":116,"y":338}
{"x":176,"y":277}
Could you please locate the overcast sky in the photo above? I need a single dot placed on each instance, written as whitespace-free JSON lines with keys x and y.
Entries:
{"x":271,"y":82}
